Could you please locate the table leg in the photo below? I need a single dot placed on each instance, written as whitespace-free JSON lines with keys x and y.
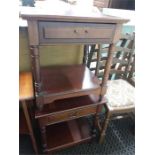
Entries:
{"x":26,"y":113}
{"x":104,"y":126}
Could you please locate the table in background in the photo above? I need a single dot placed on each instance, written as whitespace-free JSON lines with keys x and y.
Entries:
{"x":25,"y":95}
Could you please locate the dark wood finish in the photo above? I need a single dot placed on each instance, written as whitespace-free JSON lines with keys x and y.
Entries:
{"x":43,"y":136}
{"x":67,"y":134}
{"x":62,"y":82}
{"x":63,"y":110}
{"x":69,"y":115}
{"x":51,"y":28}
{"x":97,"y":123}
{"x":90,"y":55}
{"x":33,"y":33}
{"x":85,"y":54}
{"x":68,"y":109}
{"x":66,"y":82}
{"x":35,"y":58}
{"x":23,"y":128}
{"x":66,"y":104}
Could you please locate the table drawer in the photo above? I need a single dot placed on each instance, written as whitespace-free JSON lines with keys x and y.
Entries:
{"x":67,"y":115}
{"x":64,"y":32}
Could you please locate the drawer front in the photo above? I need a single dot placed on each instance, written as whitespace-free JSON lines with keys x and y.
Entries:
{"x":73,"y":32}
{"x":68,"y":115}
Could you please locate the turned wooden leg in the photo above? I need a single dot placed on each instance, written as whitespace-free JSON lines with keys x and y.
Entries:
{"x":97,"y":123}
{"x":94,"y":124}
{"x":86,"y":47}
{"x":90,"y":55}
{"x":107,"y":70}
{"x":98,"y":61}
{"x":43,"y":137}
{"x":104,"y":126}
{"x":97,"y":120}
{"x":24,"y":106}
{"x":35,"y":61}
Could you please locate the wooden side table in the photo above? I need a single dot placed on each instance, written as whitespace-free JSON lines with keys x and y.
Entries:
{"x":61,"y":92}
{"x":68,"y":27}
{"x":25,"y":94}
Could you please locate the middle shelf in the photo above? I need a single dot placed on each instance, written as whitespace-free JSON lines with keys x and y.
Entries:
{"x":60,"y":82}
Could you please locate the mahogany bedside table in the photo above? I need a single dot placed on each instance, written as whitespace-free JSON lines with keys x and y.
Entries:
{"x":66,"y":94}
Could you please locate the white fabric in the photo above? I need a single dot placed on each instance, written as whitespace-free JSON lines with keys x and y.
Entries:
{"x":120,"y":93}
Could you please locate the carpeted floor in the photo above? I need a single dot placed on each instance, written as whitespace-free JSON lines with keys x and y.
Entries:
{"x":119,"y":140}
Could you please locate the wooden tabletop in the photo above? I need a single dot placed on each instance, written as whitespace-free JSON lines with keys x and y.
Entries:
{"x":65,"y":12}
{"x":25,"y":86}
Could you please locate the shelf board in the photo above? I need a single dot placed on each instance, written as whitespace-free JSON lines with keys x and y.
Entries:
{"x":63,"y":105}
{"x":23,"y":128}
{"x":62,"y":80}
{"x":63,"y":135}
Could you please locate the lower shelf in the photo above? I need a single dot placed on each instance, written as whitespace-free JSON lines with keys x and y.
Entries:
{"x":63,"y":135}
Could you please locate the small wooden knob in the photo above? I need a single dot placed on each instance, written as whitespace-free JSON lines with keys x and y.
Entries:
{"x":75,"y":31}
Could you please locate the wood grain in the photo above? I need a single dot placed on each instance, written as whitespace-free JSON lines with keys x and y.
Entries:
{"x":25,"y":86}
{"x":60,"y":82}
